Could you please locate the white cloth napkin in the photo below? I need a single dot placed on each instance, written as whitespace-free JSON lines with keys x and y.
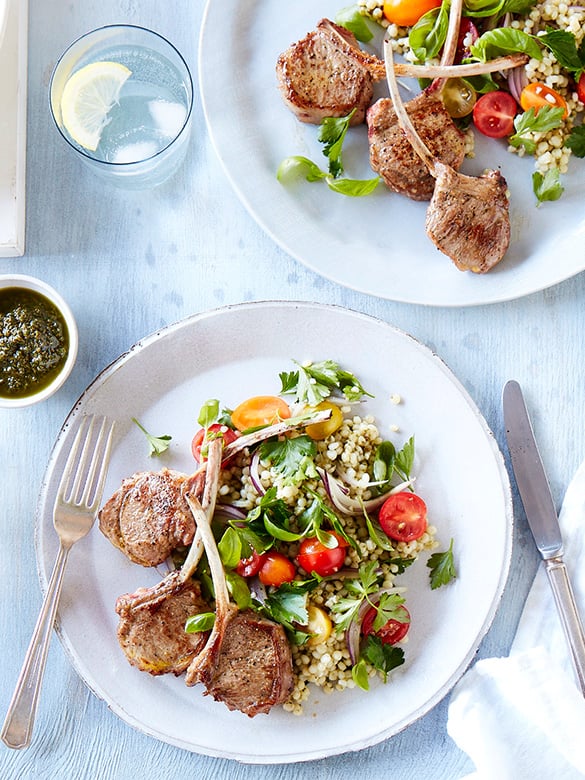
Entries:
{"x":524,"y":716}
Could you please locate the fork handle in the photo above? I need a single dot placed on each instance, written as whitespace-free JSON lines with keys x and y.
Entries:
{"x":18,"y":725}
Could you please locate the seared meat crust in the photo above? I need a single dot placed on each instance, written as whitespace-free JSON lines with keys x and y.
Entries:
{"x":151,"y":631}
{"x":327,"y":74}
{"x":391,"y":153}
{"x":148,"y":517}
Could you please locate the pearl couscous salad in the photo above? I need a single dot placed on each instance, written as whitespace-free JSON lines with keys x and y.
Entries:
{"x":537,"y":108}
{"x":315,"y":527}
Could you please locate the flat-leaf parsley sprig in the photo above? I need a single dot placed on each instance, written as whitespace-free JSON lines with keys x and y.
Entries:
{"x":314,"y":382}
{"x":156,"y":444}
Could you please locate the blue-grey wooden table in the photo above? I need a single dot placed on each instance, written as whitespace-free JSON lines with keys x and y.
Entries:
{"x":129,"y":263}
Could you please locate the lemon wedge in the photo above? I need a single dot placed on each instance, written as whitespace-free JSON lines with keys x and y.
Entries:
{"x":88,"y":96}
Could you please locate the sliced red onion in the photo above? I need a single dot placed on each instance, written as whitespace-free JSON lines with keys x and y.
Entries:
{"x":517,"y":80}
{"x":354,"y":630}
{"x":231,"y":511}
{"x":255,"y":473}
{"x":257,"y":589}
{"x":338,"y":493}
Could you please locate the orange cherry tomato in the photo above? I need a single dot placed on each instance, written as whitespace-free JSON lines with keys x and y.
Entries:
{"x":537,"y":95}
{"x":405,"y":13}
{"x":276,"y":569}
{"x":260,"y":410}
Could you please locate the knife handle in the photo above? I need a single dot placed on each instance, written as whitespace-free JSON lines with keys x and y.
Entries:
{"x":572,"y":626}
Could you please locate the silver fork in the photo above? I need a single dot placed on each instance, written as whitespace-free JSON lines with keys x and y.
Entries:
{"x":76,"y":505}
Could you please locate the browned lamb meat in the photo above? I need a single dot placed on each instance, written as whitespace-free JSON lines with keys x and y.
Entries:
{"x":326,"y":74}
{"x":391,"y":153}
{"x":151,"y":630}
{"x":468,"y":217}
{"x":247,"y":661}
{"x":147,"y":517}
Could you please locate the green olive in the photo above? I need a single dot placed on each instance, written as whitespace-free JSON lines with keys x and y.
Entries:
{"x":458,"y":98}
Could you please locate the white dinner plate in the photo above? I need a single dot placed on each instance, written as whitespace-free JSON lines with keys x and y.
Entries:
{"x":233,"y":353}
{"x":375,"y":244}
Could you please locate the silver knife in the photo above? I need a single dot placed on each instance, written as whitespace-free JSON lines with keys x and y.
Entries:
{"x":542,"y":517}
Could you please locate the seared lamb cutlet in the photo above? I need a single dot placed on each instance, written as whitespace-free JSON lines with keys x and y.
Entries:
{"x":468,"y":217}
{"x":326,"y":74}
{"x":147,"y":517}
{"x":392,"y":155}
{"x":151,"y":631}
{"x":247,"y":661}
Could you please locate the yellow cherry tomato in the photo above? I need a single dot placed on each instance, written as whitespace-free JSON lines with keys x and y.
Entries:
{"x":537,"y":95}
{"x":405,"y":13}
{"x":319,"y":625}
{"x":458,"y":98}
{"x":320,"y":431}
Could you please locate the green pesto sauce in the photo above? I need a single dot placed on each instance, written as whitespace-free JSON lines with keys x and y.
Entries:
{"x":34,"y":342}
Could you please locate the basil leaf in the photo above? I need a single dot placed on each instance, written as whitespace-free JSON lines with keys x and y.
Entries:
{"x":360,"y":676}
{"x":354,"y":188}
{"x":239,"y":590}
{"x":298,"y":165}
{"x":428,"y":35}
{"x":502,"y":41}
{"x":479,"y":8}
{"x":517,"y":6}
{"x":230,"y":548}
{"x":202,"y":622}
{"x":208,"y":413}
{"x":352,"y":20}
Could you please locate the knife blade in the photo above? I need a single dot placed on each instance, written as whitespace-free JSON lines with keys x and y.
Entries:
{"x":542,"y":518}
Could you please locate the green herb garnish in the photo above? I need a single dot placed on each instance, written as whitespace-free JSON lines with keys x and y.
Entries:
{"x":315,"y":382}
{"x":156,"y":444}
{"x":547,"y":186}
{"x":547,"y":118}
{"x":442,"y":567}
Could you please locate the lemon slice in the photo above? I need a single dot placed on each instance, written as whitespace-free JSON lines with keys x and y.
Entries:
{"x":88,"y":97}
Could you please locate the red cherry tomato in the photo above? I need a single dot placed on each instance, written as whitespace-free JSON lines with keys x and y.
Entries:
{"x":249,"y":567}
{"x":403,"y":517}
{"x":315,"y":557}
{"x":199,"y":440}
{"x":276,"y":569}
{"x":392,"y":631}
{"x":581,"y":88}
{"x":405,"y":13}
{"x":468,"y":34}
{"x":494,"y":113}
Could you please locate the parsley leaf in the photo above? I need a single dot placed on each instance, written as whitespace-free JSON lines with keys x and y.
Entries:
{"x":547,"y":186}
{"x":315,"y":382}
{"x":381,"y":656}
{"x":442,"y":567}
{"x":291,"y":457}
{"x":548,"y":118}
{"x":576,"y":141}
{"x":563,"y":45}
{"x":346,"y":608}
{"x":156,"y":444}
{"x":390,"y":608}
{"x":332,"y":132}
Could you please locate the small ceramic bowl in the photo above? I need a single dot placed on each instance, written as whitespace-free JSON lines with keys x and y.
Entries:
{"x":42,"y":389}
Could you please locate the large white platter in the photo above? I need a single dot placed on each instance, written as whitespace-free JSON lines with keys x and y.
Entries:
{"x":376,"y":244}
{"x":233,"y":353}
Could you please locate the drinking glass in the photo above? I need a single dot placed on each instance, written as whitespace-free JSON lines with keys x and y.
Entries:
{"x":140,"y":135}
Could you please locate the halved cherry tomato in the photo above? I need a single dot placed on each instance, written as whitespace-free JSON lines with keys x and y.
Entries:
{"x":537,"y":95}
{"x":494,"y":113}
{"x":276,"y":569}
{"x":458,"y":98}
{"x":403,"y":516}
{"x":581,"y":88}
{"x":392,"y":631}
{"x":250,"y":566}
{"x":320,"y":431}
{"x":468,"y":34}
{"x":214,"y":431}
{"x":260,"y":410}
{"x":405,"y":13}
{"x":315,"y":557}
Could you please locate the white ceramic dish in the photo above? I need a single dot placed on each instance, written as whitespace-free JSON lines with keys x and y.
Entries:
{"x":25,"y":282}
{"x":376,"y":244}
{"x":233,"y":353}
